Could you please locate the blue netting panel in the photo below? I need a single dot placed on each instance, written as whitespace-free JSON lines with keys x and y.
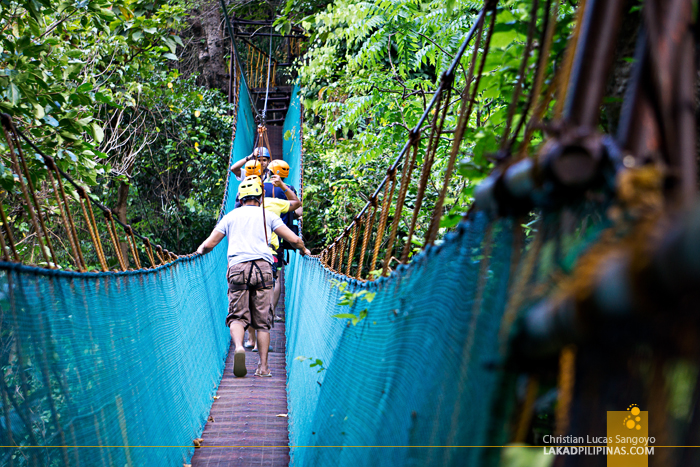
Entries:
{"x":401,"y":376}
{"x":114,"y":359}
{"x":424,"y":370}
{"x":243,"y":141}
{"x":130,"y":359}
{"x":291,"y":144}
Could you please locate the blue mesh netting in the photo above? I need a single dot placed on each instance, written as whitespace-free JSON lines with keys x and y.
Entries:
{"x":292,"y":143}
{"x":114,"y":359}
{"x":242,"y":146}
{"x":424,"y":370}
{"x":402,"y":375}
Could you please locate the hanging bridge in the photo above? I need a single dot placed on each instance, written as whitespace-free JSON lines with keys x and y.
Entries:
{"x":118,"y":357}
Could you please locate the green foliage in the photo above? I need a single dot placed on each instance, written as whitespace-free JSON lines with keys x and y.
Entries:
{"x":62,"y":65}
{"x":314,"y":362}
{"x":92,"y":84}
{"x":349,"y":299}
{"x":177,"y":179}
{"x":371,"y":69}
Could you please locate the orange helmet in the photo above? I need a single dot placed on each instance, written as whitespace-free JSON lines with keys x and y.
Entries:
{"x":279,"y":167}
{"x":253,"y":168}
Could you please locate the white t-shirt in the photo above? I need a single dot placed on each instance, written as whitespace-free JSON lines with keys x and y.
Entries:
{"x":246,"y":238}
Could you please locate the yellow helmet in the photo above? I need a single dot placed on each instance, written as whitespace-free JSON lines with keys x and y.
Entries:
{"x":279,"y":167}
{"x":249,"y":187}
{"x":253,"y":168}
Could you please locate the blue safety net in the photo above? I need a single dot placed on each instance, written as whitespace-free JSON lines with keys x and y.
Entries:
{"x":123,"y":364}
{"x":292,"y":141}
{"x":420,"y":379}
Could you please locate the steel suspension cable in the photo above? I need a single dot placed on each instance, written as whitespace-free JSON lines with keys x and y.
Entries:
{"x":267,"y":84}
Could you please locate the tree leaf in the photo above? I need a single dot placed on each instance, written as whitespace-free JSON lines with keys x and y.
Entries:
{"x":345,"y":316}
{"x":51,"y":121}
{"x":38,"y":111}
{"x":84,"y":87}
{"x":13,"y":94}
{"x":97,"y":132}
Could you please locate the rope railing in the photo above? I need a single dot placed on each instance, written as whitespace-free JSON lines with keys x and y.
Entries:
{"x":123,"y":241}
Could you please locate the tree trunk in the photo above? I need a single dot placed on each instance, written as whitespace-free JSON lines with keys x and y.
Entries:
{"x":206,"y":49}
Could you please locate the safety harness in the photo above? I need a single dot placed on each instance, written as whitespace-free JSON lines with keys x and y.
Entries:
{"x":247,"y":285}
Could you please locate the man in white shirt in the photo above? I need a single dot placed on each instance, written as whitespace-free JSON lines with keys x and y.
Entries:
{"x":250,"y":270}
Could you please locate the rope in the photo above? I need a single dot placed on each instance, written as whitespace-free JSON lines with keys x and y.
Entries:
{"x":539,"y":79}
{"x":267,"y":85}
{"x":568,"y":63}
{"x":92,"y":228}
{"x":263,"y":142}
{"x":149,"y":252}
{"x":567,"y":374}
{"x":405,"y":178}
{"x":132,"y":245}
{"x":77,"y":256}
{"x":28,"y":204}
{"x":60,"y":174}
{"x":382,"y":219}
{"x":332,"y":262}
{"x":461,"y":126}
{"x":115,"y":240}
{"x":517,"y":294}
{"x":10,"y":238}
{"x":159,"y":252}
{"x":5,"y":256}
{"x":438,"y":92}
{"x":342,"y":253}
{"x":235,"y":50}
{"x":487,"y":241}
{"x":355,"y":230}
{"x":528,"y":409}
{"x":505,"y":140}
{"x":68,"y":213}
{"x":369,"y":222}
{"x":427,"y":166}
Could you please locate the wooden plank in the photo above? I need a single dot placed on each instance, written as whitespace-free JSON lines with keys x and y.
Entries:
{"x":244,"y":429}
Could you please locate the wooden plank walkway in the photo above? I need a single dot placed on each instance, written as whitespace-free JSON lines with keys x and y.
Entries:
{"x":244,"y":428}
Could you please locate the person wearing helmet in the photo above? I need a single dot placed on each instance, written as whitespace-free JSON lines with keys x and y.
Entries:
{"x":261,"y":154}
{"x":280,"y":168}
{"x":280,"y":207}
{"x":253,"y":167}
{"x":249,"y":274}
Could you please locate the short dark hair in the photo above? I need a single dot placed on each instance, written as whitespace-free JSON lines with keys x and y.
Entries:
{"x":249,"y":198}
